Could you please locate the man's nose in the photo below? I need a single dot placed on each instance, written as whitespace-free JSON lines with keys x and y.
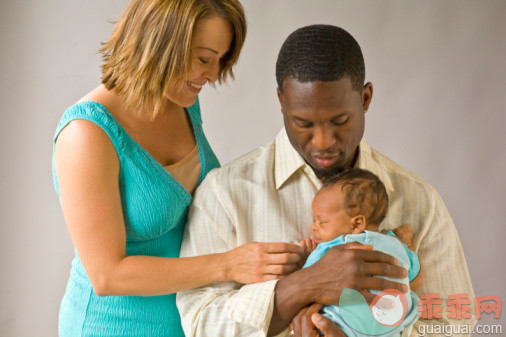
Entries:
{"x":323,"y":138}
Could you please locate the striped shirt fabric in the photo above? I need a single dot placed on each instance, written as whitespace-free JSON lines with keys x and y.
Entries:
{"x":266,"y":196}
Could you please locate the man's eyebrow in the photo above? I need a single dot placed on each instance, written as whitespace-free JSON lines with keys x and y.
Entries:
{"x":214,"y":51}
{"x":332,"y":118}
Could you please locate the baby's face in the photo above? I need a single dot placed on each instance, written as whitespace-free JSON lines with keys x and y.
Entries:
{"x":329,"y":216}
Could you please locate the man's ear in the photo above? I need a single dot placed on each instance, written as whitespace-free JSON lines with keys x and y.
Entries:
{"x":367,"y":95}
{"x":280,"y":98}
{"x":359,"y":223}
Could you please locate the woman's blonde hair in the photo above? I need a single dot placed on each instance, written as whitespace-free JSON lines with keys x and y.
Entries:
{"x":151,"y":47}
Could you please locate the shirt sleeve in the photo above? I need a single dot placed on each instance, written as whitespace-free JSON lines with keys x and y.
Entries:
{"x":222,"y":308}
{"x":446,"y":272}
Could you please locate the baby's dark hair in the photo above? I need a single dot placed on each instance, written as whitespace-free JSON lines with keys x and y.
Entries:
{"x":364,"y":194}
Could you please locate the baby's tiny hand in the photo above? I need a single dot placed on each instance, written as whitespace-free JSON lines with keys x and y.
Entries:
{"x":308,"y":245}
{"x":405,"y":234}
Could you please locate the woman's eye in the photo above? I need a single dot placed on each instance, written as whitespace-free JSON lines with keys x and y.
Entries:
{"x":203,"y":60}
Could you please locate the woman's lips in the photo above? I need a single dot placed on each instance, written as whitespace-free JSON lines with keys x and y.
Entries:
{"x":194,"y":87}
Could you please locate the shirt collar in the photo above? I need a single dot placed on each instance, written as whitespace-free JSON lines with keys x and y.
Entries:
{"x":288,"y":161}
{"x":367,"y":161}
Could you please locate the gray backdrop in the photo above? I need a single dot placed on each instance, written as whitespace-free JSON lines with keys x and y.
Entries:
{"x":438,"y":71}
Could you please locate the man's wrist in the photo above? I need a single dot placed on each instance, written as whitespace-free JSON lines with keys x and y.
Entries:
{"x":292,"y":293}
{"x":297,"y":289}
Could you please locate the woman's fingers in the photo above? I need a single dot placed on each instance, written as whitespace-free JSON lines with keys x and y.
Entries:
{"x":283,"y":258}
{"x":281,"y":269}
{"x":303,"y":245}
{"x":281,"y":247}
{"x":269,"y":277}
{"x":258,"y":261}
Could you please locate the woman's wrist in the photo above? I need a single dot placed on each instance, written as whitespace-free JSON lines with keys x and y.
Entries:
{"x":222,"y":267}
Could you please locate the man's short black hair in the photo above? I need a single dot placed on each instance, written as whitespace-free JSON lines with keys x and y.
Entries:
{"x":320,"y":53}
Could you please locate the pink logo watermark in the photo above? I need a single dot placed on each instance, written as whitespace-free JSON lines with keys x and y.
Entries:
{"x":389,"y":307}
{"x":458,"y":306}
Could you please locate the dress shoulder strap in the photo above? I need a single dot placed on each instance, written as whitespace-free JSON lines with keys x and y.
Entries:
{"x":194,"y":111}
{"x":95,"y":113}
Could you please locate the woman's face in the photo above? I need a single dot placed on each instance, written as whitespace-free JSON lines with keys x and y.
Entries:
{"x":211,"y":42}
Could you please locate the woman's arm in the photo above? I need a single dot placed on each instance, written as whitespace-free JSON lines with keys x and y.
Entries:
{"x":87,"y":168}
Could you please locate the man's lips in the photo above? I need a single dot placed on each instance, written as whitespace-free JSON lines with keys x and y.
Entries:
{"x":325,"y":161}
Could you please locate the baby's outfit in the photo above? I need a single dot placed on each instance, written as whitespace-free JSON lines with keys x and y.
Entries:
{"x":353,"y":308}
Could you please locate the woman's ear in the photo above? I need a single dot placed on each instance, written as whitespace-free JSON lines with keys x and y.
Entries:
{"x":359,"y":223}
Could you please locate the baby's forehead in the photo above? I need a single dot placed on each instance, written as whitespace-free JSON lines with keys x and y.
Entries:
{"x":334,"y":191}
{"x":329,"y":196}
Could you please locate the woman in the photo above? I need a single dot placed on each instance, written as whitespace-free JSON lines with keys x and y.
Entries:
{"x":127,"y":158}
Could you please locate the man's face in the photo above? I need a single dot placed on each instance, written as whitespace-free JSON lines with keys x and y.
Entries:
{"x":325,"y":121}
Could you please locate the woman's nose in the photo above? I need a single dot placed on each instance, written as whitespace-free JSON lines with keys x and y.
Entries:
{"x":212,"y":72}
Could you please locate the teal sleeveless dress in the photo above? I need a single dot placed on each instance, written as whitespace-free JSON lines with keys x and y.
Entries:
{"x":155,"y":207}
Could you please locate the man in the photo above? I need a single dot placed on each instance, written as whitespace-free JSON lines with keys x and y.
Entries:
{"x":266,"y":196}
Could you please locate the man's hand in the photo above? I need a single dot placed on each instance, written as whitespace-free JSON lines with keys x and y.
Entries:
{"x":306,"y":323}
{"x":328,"y":327}
{"x":345,"y":266}
{"x":351,"y":266}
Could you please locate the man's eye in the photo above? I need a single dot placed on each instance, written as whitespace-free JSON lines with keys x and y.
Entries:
{"x":340,"y":120}
{"x":304,"y":125}
{"x":203,"y":60}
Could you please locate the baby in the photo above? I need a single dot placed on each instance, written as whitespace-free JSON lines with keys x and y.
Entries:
{"x":350,"y":207}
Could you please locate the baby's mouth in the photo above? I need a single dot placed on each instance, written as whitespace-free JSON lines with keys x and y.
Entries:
{"x":316,"y":239}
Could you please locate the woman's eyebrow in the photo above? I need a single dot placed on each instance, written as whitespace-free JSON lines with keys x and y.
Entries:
{"x":214,"y":51}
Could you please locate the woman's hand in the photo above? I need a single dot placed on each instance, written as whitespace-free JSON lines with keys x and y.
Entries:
{"x":309,"y":321}
{"x":260,"y":262}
